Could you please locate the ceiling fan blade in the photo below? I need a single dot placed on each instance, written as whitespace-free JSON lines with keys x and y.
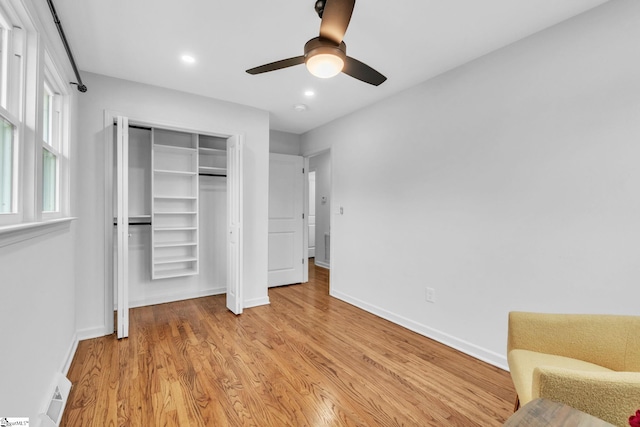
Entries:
{"x":335,"y":19}
{"x":285,"y":63}
{"x":363,"y":72}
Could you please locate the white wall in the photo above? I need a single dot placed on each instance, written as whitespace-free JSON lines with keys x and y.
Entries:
{"x":510,"y":183}
{"x":37,"y":283}
{"x":284,"y":143}
{"x":189,"y":111}
{"x":37,"y":291}
{"x":321,"y":164}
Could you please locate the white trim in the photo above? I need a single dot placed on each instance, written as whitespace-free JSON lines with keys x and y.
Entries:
{"x":466,"y":347}
{"x":322,"y":264}
{"x":256,"y":302}
{"x":11,"y":234}
{"x":70,"y":353}
{"x":163,"y":299}
{"x":109,"y":297}
{"x":89,"y":333}
{"x":305,"y":219}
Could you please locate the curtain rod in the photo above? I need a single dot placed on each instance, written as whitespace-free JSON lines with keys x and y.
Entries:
{"x":81,"y":87}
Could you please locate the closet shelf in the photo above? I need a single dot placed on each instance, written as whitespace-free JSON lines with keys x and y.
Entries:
{"x":173,"y":172}
{"x":175,"y":228}
{"x":175,"y":197}
{"x":173,"y":260}
{"x":175,"y":273}
{"x":173,"y":244}
{"x":173,"y":148}
{"x":206,"y":150}
{"x":175,"y":213}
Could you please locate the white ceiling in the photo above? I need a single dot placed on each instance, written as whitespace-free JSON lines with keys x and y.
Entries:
{"x":409,"y":41}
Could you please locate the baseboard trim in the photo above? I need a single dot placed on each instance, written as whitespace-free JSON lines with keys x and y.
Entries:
{"x":163,"y":299}
{"x":323,"y":264}
{"x":466,"y":347}
{"x":88,"y":333}
{"x":71,"y":351}
{"x":256,"y":302}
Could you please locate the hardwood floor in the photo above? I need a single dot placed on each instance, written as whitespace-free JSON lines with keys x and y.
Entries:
{"x":305,"y":360}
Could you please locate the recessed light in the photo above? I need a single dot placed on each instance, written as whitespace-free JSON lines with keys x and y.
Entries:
{"x":300,"y":108}
{"x":309,"y":93}
{"x":188,"y":59}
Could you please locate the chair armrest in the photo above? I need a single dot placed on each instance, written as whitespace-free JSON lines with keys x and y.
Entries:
{"x":611,"y":396}
{"x":605,"y":340}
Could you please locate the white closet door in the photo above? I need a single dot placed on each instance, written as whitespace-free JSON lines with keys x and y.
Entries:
{"x":122,"y":224}
{"x":234,"y":220}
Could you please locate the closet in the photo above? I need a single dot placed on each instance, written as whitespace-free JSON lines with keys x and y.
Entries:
{"x":176,"y":201}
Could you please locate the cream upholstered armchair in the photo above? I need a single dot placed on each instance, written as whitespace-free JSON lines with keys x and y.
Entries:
{"x":589,"y":362}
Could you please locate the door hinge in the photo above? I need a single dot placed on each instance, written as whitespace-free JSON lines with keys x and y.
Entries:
{"x":303,"y":260}
{"x":302,"y":216}
{"x":302,"y":170}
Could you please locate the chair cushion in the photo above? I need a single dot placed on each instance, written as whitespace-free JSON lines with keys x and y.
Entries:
{"x":523,"y":362}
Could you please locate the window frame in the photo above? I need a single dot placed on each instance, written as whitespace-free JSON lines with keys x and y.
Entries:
{"x":11,"y":103}
{"x":58,"y":132}
{"x":34,"y":59}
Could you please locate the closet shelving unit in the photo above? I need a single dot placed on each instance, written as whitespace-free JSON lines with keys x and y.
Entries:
{"x":174,"y":188}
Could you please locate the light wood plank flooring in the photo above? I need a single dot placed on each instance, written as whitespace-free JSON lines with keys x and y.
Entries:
{"x":305,"y":360}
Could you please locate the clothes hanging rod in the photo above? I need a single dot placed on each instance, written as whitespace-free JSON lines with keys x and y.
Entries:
{"x":81,"y":87}
{"x":135,"y":223}
{"x":115,"y":123}
{"x":211,"y":174}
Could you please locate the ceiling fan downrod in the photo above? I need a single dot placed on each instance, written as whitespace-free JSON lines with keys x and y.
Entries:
{"x":319,"y":7}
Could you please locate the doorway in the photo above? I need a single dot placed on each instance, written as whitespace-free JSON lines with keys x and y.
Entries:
{"x":311,"y":250}
{"x":320,"y":201}
{"x":166,"y":168}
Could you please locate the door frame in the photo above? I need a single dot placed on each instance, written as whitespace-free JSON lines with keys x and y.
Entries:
{"x":109,"y":118}
{"x":334,"y":211}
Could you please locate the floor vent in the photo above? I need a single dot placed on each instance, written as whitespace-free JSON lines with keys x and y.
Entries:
{"x":55,"y":405}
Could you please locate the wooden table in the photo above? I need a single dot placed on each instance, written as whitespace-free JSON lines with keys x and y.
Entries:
{"x":543,"y":413}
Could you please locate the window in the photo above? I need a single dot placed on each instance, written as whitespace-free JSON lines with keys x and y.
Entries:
{"x":3,"y":64}
{"x":34,"y":128}
{"x":51,"y":148}
{"x":7,"y":150}
{"x":10,"y":118}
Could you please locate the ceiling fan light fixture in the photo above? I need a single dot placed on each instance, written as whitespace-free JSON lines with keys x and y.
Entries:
{"x":325,"y":65}
{"x":323,"y":58}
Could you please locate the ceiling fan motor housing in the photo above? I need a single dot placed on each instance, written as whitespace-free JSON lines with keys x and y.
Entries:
{"x":318,"y":45}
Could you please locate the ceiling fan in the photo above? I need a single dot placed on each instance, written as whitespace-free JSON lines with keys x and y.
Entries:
{"x":326,"y":56}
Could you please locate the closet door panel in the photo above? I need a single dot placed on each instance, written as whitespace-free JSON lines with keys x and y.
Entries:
{"x":122,"y":224}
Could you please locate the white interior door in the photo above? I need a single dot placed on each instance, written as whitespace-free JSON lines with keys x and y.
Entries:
{"x":287,"y":257}
{"x":234,"y":220}
{"x":122,"y":226}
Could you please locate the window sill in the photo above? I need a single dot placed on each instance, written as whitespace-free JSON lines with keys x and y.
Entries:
{"x":11,"y":234}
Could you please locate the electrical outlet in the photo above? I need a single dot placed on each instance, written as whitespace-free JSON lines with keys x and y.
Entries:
{"x":430,"y":295}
